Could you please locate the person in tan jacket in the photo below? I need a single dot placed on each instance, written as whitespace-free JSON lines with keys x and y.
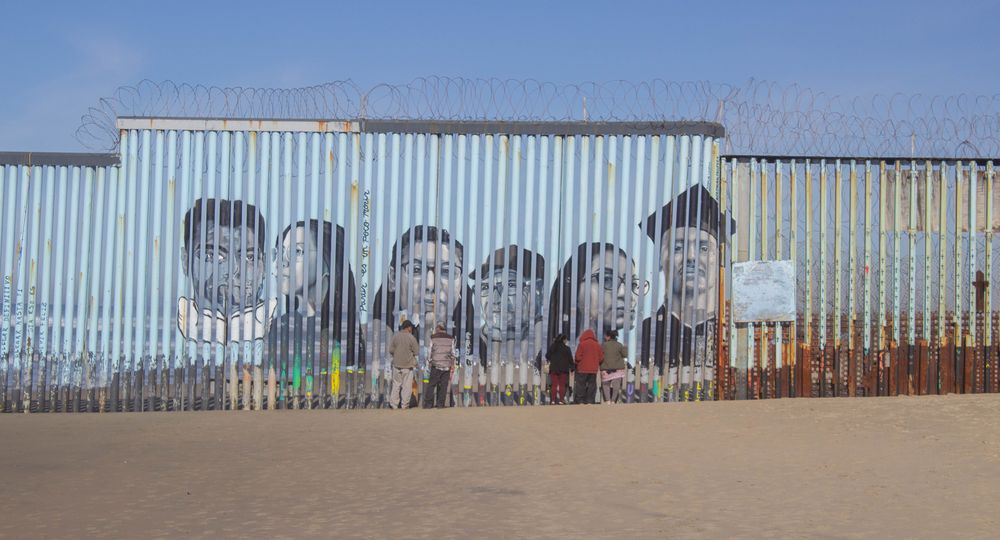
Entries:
{"x":612,"y":367}
{"x":404,"y":350}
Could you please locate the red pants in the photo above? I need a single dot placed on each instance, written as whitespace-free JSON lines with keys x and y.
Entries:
{"x":559,"y":381}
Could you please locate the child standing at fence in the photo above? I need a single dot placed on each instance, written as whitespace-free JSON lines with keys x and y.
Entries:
{"x":612,"y":367}
{"x":560,"y":364}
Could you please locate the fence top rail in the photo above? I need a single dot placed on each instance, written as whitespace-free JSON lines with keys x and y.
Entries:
{"x":471,"y":127}
{"x":858,"y":159}
{"x":58,"y":159}
{"x":457,"y":127}
{"x":236,"y":124}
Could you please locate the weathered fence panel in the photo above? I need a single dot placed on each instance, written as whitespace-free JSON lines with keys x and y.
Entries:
{"x":893,"y":258}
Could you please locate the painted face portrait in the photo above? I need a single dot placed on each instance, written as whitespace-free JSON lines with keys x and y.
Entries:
{"x":309,"y":267}
{"x":226,"y":267}
{"x":510,"y":294}
{"x":302,"y":270}
{"x":224,"y":260}
{"x":614,"y":284}
{"x":605,"y":291}
{"x":509,"y":304}
{"x":694,"y":260}
{"x":689,"y":260}
{"x":430,"y":282}
{"x":424,"y":283}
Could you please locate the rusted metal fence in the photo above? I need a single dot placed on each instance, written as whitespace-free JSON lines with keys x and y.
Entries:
{"x":893,"y":261}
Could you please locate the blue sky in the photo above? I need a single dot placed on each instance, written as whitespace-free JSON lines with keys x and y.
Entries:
{"x":59,"y":58}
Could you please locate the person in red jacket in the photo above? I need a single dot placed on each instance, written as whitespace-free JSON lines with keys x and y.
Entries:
{"x":589,"y":356}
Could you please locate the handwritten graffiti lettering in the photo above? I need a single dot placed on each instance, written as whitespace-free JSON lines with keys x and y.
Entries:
{"x":18,"y":321}
{"x":31,"y":321}
{"x":365,"y":239}
{"x":43,"y":314}
{"x":364,"y":295}
{"x":6,"y":317}
{"x":31,"y":303}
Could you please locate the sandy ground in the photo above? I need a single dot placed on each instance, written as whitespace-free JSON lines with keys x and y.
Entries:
{"x":823,"y":468}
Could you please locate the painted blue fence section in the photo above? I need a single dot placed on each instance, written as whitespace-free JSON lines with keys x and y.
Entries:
{"x":53,"y":237}
{"x":229,"y":264}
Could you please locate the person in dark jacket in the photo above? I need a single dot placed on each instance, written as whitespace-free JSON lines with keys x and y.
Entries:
{"x":589,"y":356}
{"x":560,"y":364}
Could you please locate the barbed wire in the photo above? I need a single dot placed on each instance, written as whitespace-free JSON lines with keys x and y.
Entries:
{"x":760,"y":117}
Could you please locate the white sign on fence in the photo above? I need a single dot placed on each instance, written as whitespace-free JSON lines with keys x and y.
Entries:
{"x":764,"y":291}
